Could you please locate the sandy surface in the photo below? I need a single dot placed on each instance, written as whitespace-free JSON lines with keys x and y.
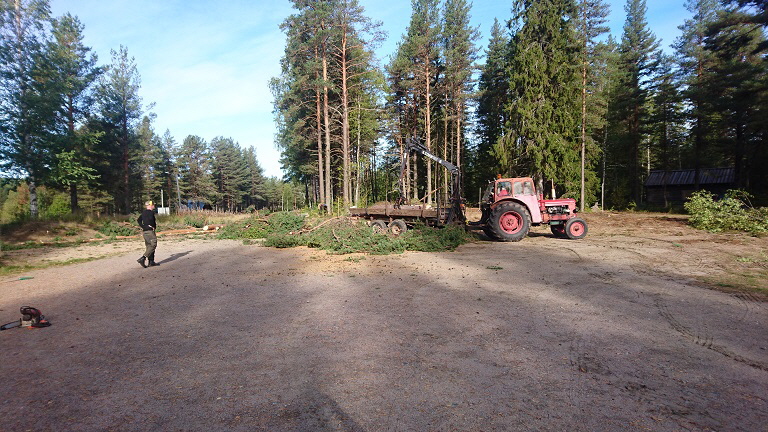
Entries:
{"x":614,"y":332}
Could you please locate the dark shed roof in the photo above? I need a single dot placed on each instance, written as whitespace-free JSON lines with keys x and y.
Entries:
{"x":686,"y":177}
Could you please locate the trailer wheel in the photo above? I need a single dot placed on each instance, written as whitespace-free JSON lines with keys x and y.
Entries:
{"x":397,"y":227}
{"x":379,"y":226}
{"x":576,"y":228}
{"x":510,"y":221}
{"x":558,"y":230}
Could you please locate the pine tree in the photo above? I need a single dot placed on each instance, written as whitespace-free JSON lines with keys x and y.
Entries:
{"x":26,"y":103}
{"x":352,"y":52}
{"x":667,"y":120}
{"x":194,"y":161}
{"x":638,"y":58}
{"x":460,"y":53}
{"x":414,"y":71}
{"x":229,"y":172}
{"x":76,"y":71}
{"x":254,"y":193}
{"x":740,"y":90}
{"x":493,"y":94}
{"x":696,"y":64}
{"x":119,"y":110}
{"x":147,"y":161}
{"x":591,"y":17}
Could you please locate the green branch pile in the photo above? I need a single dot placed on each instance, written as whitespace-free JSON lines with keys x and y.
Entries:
{"x":342,"y":235}
{"x":731,"y":213}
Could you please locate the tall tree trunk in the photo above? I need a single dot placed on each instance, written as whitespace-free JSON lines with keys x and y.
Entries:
{"x":583,"y":125}
{"x":320,"y":167}
{"x":327,"y":124}
{"x":345,"y":153}
{"x":445,"y":143}
{"x":428,"y":131}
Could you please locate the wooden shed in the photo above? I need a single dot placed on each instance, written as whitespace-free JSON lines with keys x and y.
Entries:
{"x":664,"y":188}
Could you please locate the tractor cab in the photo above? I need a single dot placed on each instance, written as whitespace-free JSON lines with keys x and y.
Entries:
{"x":520,"y":190}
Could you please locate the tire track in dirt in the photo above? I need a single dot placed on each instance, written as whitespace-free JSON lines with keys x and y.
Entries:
{"x":703,"y":337}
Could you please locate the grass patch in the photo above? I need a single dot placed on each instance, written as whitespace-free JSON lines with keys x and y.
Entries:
{"x":14,"y":270}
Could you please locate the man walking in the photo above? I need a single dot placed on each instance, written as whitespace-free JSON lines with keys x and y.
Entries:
{"x":147,"y":223}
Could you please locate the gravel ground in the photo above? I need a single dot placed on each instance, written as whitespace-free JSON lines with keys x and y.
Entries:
{"x":614,"y":332}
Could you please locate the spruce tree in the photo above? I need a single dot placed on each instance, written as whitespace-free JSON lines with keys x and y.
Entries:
{"x":696,"y":63}
{"x":229,"y":172}
{"x":119,"y":110}
{"x":147,"y":161}
{"x":194,"y":161}
{"x":591,"y":17}
{"x":739,"y":89}
{"x":493,"y":94}
{"x":544,"y":98}
{"x":75,"y":73}
{"x":27,"y":105}
{"x":638,"y":59}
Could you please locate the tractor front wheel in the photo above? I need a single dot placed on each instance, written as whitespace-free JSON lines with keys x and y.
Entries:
{"x":510,"y":221}
{"x":576,"y":228}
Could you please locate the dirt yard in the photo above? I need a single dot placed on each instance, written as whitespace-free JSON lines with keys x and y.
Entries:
{"x":646,"y":324}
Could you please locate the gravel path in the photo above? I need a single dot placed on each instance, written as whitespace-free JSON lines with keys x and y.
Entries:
{"x":544,"y":334}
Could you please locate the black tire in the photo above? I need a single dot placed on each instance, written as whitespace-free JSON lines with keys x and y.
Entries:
{"x":510,"y":221}
{"x":558,"y":230}
{"x":397,"y":227}
{"x":379,"y":226}
{"x":576,"y":228}
{"x":489,"y":233}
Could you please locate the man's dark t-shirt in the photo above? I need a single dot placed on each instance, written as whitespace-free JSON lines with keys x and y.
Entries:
{"x":147,"y":220}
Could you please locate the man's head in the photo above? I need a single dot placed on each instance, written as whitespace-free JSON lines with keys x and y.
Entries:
{"x":149,"y":205}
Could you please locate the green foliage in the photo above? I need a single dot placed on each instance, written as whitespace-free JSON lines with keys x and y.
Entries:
{"x":112,"y":228}
{"x":347,"y":236}
{"x":57,"y":207}
{"x":343,"y":236}
{"x":251,"y":228}
{"x":282,"y":222}
{"x":274,"y":228}
{"x":195,"y":219}
{"x":731,"y":213}
{"x":428,"y":239}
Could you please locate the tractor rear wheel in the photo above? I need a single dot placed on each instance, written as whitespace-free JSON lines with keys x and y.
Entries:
{"x":510,"y":221}
{"x":576,"y":228}
{"x":489,"y":232}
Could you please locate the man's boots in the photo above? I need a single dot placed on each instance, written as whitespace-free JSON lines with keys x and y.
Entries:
{"x":142,"y":261}
{"x":152,"y":262}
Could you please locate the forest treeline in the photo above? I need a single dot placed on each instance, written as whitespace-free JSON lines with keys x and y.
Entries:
{"x":552,"y":95}
{"x":557,"y":97}
{"x":76,"y":135}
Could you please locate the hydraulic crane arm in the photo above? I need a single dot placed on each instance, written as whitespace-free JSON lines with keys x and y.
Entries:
{"x":456,"y":213}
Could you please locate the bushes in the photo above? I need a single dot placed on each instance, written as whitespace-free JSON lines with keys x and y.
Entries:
{"x":731,"y":213}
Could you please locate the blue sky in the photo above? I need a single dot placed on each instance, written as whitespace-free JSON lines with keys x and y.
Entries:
{"x":206,"y":64}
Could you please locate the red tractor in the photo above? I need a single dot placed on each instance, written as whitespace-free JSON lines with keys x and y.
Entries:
{"x":512,"y":205}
